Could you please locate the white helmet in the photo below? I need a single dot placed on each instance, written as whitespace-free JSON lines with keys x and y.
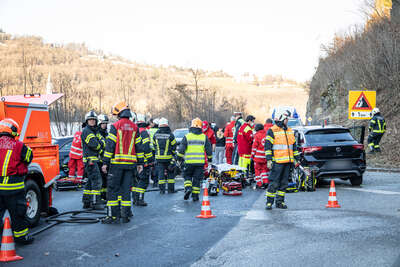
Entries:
{"x":232,"y":118}
{"x":91,"y":115}
{"x":156,"y":121}
{"x":141,"y":118}
{"x":133,"y":116}
{"x":103,"y":118}
{"x":163,"y":121}
{"x":375,"y":111}
{"x":282,"y":115}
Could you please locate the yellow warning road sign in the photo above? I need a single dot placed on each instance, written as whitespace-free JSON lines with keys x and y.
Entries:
{"x":361,"y":104}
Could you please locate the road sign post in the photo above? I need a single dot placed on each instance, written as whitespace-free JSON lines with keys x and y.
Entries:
{"x":361,"y":104}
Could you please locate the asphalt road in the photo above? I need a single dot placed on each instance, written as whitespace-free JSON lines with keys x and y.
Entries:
{"x":365,"y":231}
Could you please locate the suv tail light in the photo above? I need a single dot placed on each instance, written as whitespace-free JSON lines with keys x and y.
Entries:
{"x":360,"y":147}
{"x":311,"y":149}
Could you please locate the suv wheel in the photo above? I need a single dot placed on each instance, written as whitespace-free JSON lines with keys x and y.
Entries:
{"x":34,"y":202}
{"x":356,"y":180}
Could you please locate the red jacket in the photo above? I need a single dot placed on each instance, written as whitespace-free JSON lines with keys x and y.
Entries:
{"x":245,"y":139}
{"x":229,"y":134}
{"x":258,"y":152}
{"x":76,"y":147}
{"x":267,"y":126}
{"x":209,"y":133}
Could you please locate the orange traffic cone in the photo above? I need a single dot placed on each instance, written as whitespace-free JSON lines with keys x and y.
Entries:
{"x":332,"y":201}
{"x":205,"y":206}
{"x":7,"y":251}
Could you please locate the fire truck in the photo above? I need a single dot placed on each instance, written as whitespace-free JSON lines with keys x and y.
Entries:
{"x":31,"y":112}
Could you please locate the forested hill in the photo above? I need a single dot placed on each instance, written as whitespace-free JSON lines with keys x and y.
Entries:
{"x":94,"y":80}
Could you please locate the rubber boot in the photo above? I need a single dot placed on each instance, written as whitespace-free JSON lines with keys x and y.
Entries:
{"x":125,"y":212}
{"x":281,"y":205}
{"x":195,"y":197}
{"x":86,"y":205}
{"x":98,"y":205}
{"x":188,"y":191}
{"x":135,"y":198}
{"x":270,"y":201}
{"x":162,"y":189}
{"x":24,"y":240}
{"x":110,"y":220}
{"x":171,"y":188}
{"x":141,"y":201}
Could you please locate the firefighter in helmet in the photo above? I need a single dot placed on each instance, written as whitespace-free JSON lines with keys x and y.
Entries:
{"x":14,"y":159}
{"x":102,"y":134}
{"x":193,"y":148}
{"x":377,"y":128}
{"x":93,"y":145}
{"x":120,"y":161}
{"x":281,"y":153}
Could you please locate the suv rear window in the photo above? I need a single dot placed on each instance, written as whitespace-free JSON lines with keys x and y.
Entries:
{"x":328,"y":136}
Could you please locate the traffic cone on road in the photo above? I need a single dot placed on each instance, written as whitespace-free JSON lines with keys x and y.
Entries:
{"x":332,"y":201}
{"x":205,"y":206}
{"x":7,"y":251}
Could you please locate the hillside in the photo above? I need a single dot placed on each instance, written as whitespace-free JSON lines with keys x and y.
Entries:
{"x":364,"y":59}
{"x":94,"y":80}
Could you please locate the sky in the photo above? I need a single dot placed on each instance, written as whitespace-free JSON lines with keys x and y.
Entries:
{"x":237,"y":36}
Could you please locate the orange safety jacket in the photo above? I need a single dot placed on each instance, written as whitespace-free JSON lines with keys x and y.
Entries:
{"x":123,"y":143}
{"x":280,"y":145}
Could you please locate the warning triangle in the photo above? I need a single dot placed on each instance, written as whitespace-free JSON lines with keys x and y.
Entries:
{"x":362,"y":103}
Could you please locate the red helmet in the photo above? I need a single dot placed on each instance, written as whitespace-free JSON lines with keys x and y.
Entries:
{"x":9,"y":126}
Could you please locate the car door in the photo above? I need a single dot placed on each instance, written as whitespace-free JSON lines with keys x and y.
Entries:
{"x":358,"y":132}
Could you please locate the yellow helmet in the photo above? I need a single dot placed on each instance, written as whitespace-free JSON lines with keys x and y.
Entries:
{"x":117,"y":108}
{"x":197,"y":123}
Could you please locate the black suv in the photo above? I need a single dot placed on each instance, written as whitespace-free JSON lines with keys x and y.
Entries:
{"x":331,"y":152}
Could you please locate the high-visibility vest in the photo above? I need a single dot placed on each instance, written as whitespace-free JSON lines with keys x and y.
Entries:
{"x":125,"y":152}
{"x":76,"y":151}
{"x":377,"y":124}
{"x":195,"y":149}
{"x":152,"y":131}
{"x":229,"y":134}
{"x":283,"y":145}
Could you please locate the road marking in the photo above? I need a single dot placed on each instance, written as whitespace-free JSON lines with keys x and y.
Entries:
{"x":376,"y":191}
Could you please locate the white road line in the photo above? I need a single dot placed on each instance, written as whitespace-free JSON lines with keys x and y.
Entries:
{"x":376,"y":191}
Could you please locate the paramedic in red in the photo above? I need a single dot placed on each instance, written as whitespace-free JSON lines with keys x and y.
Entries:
{"x":229,"y":140}
{"x":75,"y":163}
{"x":14,"y":160}
{"x":258,"y":156}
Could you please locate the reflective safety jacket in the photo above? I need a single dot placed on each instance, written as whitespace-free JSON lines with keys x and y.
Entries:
{"x":146,"y":144}
{"x":92,"y":144}
{"x":76,"y":147}
{"x":377,"y":124}
{"x":124,"y":144}
{"x":245,"y":139}
{"x":194,"y":147}
{"x":152,"y":131}
{"x":280,"y":145}
{"x":229,"y":134}
{"x":257,"y":150}
{"x":14,"y":159}
{"x":164,"y":144}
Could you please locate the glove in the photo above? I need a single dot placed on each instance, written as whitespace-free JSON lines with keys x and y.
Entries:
{"x":269,"y":164}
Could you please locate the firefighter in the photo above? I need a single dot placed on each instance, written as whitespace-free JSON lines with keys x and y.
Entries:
{"x":377,"y":128}
{"x":102,"y":134}
{"x":229,"y":140}
{"x":245,"y":141}
{"x":15,"y":157}
{"x":75,"y":163}
{"x":165,"y":147}
{"x":238,"y":123}
{"x":92,"y":145}
{"x":120,"y":160}
{"x":153,"y":129}
{"x":281,"y":153}
{"x":192,"y":149}
{"x":143,"y":181}
{"x":258,"y":156}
